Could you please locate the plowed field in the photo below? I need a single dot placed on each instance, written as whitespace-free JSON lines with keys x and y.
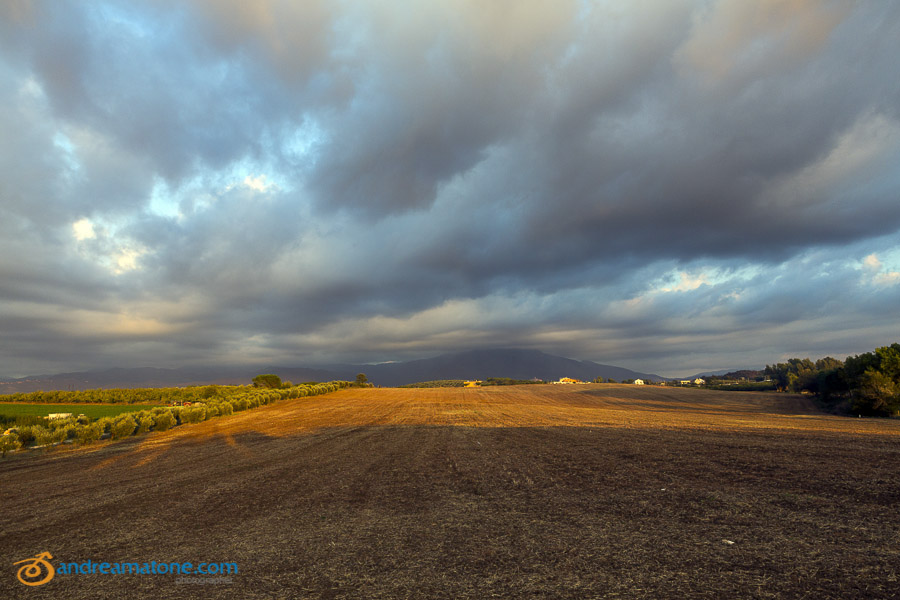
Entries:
{"x":599,"y":491}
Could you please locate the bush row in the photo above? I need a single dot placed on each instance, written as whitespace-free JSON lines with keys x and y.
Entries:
{"x":83,"y":430}
{"x":128,"y":396}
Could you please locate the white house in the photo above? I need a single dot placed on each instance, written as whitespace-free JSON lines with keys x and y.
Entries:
{"x":638,"y":382}
{"x":54,"y":416}
{"x":699,"y":381}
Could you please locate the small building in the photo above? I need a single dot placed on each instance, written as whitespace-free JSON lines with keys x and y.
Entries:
{"x":639,"y":382}
{"x":699,"y":381}
{"x":54,"y":416}
{"x":473,"y":383}
{"x":684,"y":382}
{"x":567,"y":380}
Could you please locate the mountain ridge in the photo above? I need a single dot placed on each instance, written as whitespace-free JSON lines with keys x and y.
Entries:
{"x":469,"y":364}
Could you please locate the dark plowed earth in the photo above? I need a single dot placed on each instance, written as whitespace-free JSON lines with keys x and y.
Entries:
{"x":381,"y":504}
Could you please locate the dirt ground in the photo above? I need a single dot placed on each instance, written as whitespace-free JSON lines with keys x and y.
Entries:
{"x":600,"y":491}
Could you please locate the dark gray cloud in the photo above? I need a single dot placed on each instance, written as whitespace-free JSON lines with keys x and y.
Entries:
{"x":668,"y":185}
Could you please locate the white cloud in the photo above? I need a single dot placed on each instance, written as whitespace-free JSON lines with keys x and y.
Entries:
{"x":126,"y":260}
{"x":258,"y":183}
{"x":83,"y":229}
{"x":889,"y":278}
{"x":878,"y":273}
{"x":687,"y":282}
{"x":872,"y":263}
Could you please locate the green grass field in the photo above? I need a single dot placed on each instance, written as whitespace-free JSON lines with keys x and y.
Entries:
{"x":94,"y":411}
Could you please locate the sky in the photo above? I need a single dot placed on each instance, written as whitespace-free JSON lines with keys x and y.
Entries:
{"x":669,"y":186}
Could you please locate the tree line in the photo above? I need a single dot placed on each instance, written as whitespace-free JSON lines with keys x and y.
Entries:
{"x":866,"y":384}
{"x":39,"y":431}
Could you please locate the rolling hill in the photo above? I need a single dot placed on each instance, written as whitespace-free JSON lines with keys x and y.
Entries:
{"x":473,"y":364}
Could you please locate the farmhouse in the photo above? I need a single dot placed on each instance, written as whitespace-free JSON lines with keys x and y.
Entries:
{"x":639,"y":382}
{"x":699,"y":381}
{"x":567,"y":380}
{"x":473,"y":383}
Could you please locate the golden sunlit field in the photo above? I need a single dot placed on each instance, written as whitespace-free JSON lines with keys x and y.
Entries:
{"x":543,"y":491}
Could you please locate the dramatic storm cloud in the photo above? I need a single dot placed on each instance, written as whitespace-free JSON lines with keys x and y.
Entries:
{"x":671,"y":186}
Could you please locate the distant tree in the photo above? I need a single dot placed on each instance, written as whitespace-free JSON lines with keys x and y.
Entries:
{"x":889,"y":361}
{"x":598,"y":380}
{"x":877,"y":394}
{"x":745,"y":374}
{"x":210,"y":391}
{"x":361,"y":380}
{"x":610,"y":380}
{"x":828,"y":363}
{"x":267,"y":381}
{"x":832,"y":384}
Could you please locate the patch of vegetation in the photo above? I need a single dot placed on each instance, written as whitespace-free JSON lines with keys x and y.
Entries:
{"x":741,"y":386}
{"x":18,"y":413}
{"x":267,"y":381}
{"x":507,"y":381}
{"x":140,"y":396}
{"x":437,"y":383}
{"x":120,"y":422}
{"x":866,"y":384}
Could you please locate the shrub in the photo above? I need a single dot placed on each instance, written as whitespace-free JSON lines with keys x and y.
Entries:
{"x":26,"y":434}
{"x":144,"y":423}
{"x":193,"y":414}
{"x":48,"y":437}
{"x":123,"y":427}
{"x":105,"y":424}
{"x":9,"y":443}
{"x":164,"y":420}
{"x":87,"y":434}
{"x":67,"y":425}
{"x":30,"y":420}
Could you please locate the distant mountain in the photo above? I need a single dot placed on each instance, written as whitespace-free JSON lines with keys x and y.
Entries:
{"x":474,"y":364}
{"x":154,"y":378}
{"x":721,"y":372}
{"x":481,"y":364}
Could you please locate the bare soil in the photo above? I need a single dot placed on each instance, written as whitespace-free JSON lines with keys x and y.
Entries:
{"x":599,"y":491}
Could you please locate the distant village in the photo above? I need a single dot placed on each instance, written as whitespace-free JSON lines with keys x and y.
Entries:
{"x":570,"y":380}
